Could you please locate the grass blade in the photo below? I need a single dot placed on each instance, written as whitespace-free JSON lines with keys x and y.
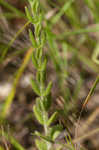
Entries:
{"x":19,"y":73}
{"x":12,"y":8}
{"x":11,"y":42}
{"x":91,"y":92}
{"x":61,"y":12}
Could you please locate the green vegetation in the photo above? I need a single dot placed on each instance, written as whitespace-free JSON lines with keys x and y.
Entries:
{"x":64,"y":50}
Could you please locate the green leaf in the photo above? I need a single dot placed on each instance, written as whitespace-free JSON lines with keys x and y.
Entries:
{"x":32,"y":39}
{"x":37,"y":29}
{"x":47,"y":102}
{"x":28,"y":14}
{"x":41,"y":145}
{"x":35,"y":87}
{"x":43,"y":65}
{"x":43,"y":38}
{"x":34,"y":61}
{"x":34,"y":6}
{"x":38,"y":114}
{"x":38,"y":76}
{"x":38,"y":104}
{"x":42,"y":76}
{"x":46,"y":138}
{"x":55,"y":131}
{"x":56,"y":134}
{"x":39,"y":53}
{"x":48,"y":89}
{"x":52,"y":118}
{"x":40,"y":18}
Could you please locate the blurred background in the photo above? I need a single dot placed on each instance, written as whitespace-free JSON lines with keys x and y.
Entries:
{"x":72,"y":50}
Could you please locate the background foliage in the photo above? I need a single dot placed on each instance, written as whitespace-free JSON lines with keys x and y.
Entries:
{"x":67,"y":32}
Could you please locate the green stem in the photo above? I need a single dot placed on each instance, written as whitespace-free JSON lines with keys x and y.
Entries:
{"x":45,"y":115}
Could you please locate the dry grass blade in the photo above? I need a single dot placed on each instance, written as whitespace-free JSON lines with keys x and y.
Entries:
{"x":10,"y":97}
{"x":95,"y":131}
{"x":91,"y":92}
{"x":11,"y":42}
{"x":91,"y":118}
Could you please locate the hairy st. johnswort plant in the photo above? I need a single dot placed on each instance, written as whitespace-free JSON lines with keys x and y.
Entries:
{"x":43,"y":102}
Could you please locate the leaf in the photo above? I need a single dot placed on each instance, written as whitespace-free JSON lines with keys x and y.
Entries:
{"x":56,"y":134}
{"x":35,"y":87}
{"x":39,"y":53}
{"x":38,"y":114}
{"x":55,"y":131}
{"x":42,"y":76}
{"x":41,"y":145}
{"x":46,"y":138}
{"x":47,"y":102}
{"x":48,"y":89}
{"x":43,"y":38}
{"x":43,"y":65}
{"x":38,"y":104}
{"x":52,"y":118}
{"x":38,"y":76}
{"x":34,"y":61}
{"x":34,"y":6}
{"x":32,"y":39}
{"x":28,"y":14}
{"x":37,"y":29}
